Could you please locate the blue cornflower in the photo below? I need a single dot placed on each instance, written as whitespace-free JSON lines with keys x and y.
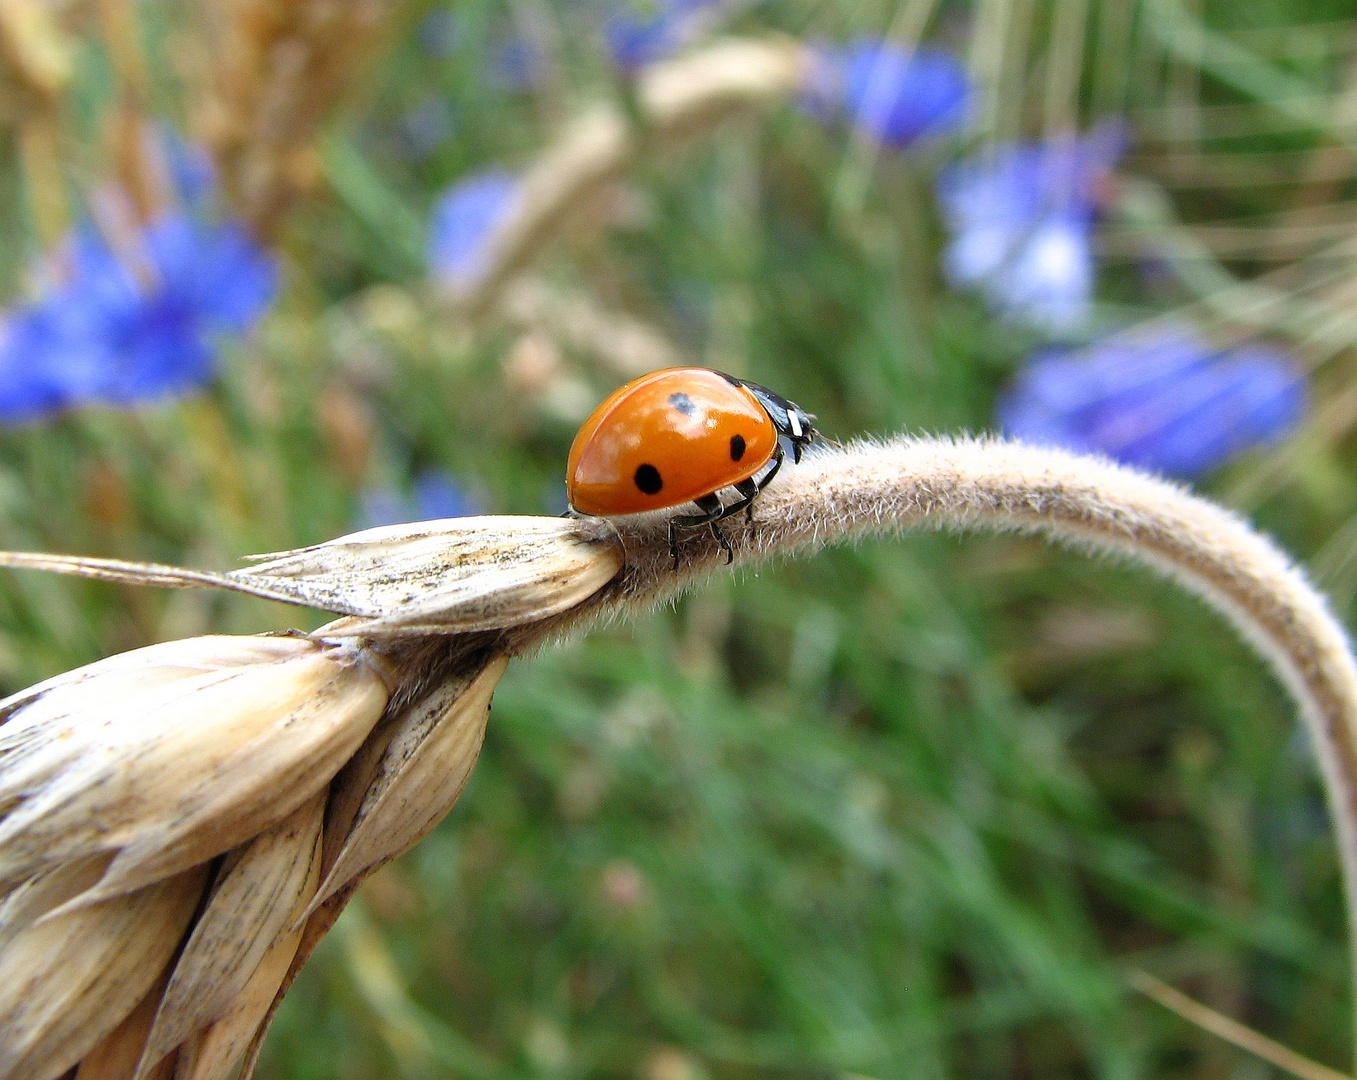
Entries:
{"x":147,"y":338}
{"x":464,"y":217}
{"x":118,"y":333}
{"x":438,"y":495}
{"x":634,"y":40}
{"x":891,"y":94}
{"x":435,"y":495}
{"x":33,"y":349}
{"x":519,"y":66}
{"x":1022,"y":225}
{"x":1162,"y":399}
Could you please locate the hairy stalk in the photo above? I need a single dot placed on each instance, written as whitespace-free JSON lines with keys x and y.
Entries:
{"x":1086,"y":503}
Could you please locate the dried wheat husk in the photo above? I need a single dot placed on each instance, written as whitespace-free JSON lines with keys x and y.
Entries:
{"x":116,"y":1057}
{"x":69,"y":979}
{"x":256,"y":897}
{"x":105,"y":762}
{"x":414,"y":780}
{"x":255,"y":769}
{"x":458,"y":575}
{"x":215,"y":1052}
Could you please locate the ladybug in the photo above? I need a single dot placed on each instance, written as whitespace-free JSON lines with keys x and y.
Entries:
{"x":683,"y":435}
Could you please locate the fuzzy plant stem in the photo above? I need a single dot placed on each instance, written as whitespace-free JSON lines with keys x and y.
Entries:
{"x":1086,"y":503}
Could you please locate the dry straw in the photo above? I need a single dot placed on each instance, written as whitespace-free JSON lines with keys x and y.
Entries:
{"x":675,"y":101}
{"x":37,"y":57}
{"x":264,"y":77}
{"x":180,"y":825}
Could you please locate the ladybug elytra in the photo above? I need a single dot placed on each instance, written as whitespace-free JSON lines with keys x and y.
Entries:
{"x":683,"y":435}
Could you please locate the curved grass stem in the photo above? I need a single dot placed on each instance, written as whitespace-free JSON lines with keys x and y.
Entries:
{"x":1086,"y":503}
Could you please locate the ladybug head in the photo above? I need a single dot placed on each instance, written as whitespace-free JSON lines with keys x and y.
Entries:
{"x":793,"y":423}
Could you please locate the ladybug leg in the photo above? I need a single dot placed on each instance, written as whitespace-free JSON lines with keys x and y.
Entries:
{"x":721,"y":539}
{"x":748,"y":489}
{"x":712,"y":512}
{"x":711,"y":508}
{"x":778,"y":458}
{"x":751,"y":487}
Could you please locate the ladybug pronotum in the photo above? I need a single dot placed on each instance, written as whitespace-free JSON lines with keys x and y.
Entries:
{"x":683,"y":435}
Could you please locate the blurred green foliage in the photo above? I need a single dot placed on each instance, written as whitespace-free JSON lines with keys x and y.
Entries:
{"x":906,"y":810}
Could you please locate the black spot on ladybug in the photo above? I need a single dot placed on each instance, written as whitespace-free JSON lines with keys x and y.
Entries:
{"x":683,"y":403}
{"x":736,"y":447}
{"x":648,"y":479}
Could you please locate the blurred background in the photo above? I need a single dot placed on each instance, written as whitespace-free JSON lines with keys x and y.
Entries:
{"x":277,"y":271}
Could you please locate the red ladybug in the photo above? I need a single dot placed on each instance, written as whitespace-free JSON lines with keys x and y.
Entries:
{"x":683,"y":435}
